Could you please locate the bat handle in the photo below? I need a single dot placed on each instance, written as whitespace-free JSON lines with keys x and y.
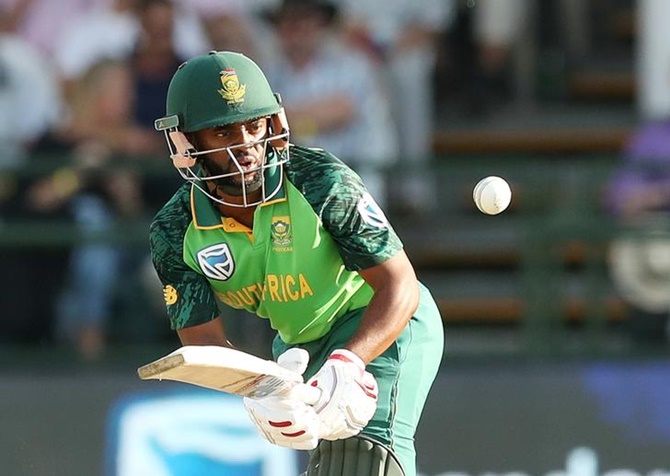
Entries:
{"x":306,"y":393}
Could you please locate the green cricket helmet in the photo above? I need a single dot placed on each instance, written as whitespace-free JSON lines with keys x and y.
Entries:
{"x":218,"y":89}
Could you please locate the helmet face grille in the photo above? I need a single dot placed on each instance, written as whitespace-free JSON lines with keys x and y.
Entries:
{"x":271,"y":179}
{"x":189,"y":165}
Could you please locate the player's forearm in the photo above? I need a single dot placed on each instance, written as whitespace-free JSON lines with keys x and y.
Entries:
{"x":394,"y":303}
{"x":385,"y":319}
{"x":209,"y":333}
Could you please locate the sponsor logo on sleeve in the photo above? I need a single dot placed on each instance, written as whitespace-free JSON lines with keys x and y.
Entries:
{"x":371,"y":213}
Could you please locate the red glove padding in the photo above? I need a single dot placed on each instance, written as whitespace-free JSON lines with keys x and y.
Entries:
{"x":348,"y":395}
{"x":286,"y":422}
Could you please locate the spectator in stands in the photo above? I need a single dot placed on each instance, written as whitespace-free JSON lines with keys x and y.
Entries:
{"x":332,"y":95}
{"x":30,"y":100}
{"x":402,"y":38}
{"x":43,"y":23}
{"x":638,"y":196}
{"x":114,"y":106}
{"x":228,"y":25}
{"x":152,"y":36}
{"x":154,"y":59}
{"x":29,"y":105}
{"x":98,"y":194}
{"x":497,"y":28}
{"x":113,"y":30}
{"x":102,"y":112}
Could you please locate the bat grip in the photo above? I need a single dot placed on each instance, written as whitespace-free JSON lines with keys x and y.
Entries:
{"x":306,"y":393}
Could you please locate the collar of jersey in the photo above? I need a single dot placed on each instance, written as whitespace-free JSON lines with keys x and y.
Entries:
{"x":206,"y":216}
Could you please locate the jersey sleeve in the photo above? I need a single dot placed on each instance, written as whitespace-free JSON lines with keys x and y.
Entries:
{"x":188,"y":297}
{"x":358,"y":225}
{"x":363,"y":235}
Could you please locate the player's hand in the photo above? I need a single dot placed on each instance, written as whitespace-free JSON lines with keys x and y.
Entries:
{"x":349,"y":395}
{"x":295,"y":360}
{"x":284,"y":421}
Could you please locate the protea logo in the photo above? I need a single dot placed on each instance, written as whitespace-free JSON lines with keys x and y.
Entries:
{"x":281,"y":231}
{"x":232,"y":91}
{"x":217,"y":262}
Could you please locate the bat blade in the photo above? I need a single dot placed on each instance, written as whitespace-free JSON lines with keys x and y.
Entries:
{"x":228,"y":370}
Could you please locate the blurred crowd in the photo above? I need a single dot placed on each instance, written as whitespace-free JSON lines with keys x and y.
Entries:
{"x":82,"y":81}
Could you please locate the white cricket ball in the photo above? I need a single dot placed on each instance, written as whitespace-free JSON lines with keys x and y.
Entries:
{"x":492,"y":195}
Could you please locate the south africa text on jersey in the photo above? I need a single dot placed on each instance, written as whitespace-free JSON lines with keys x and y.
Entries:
{"x":276,"y":287}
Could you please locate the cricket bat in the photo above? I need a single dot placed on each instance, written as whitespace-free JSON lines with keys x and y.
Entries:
{"x":231,"y":371}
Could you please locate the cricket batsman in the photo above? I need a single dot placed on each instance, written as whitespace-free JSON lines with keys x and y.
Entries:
{"x":291,"y":234}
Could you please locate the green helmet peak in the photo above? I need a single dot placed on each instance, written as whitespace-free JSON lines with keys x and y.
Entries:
{"x":219,"y":88}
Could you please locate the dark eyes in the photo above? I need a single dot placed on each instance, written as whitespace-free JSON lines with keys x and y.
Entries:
{"x":223,"y":133}
{"x":255,"y":125}
{"x":251,"y":127}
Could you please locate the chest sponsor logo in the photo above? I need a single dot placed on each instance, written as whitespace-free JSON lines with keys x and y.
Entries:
{"x":371,"y":213}
{"x":282,"y":233}
{"x":217,"y":262}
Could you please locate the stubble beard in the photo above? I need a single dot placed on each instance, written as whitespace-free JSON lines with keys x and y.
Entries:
{"x":233,"y":185}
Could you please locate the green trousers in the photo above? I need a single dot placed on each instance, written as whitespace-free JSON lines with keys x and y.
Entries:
{"x":404,"y":373}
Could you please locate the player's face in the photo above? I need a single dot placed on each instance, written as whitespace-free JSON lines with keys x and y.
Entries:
{"x":238,"y":152}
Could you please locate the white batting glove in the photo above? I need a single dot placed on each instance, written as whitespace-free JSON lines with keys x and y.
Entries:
{"x":295,"y":360}
{"x":285,"y":421}
{"x":349,"y":395}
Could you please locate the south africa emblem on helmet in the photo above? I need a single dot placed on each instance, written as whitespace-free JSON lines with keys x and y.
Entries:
{"x":281,"y":233}
{"x":232,"y":91}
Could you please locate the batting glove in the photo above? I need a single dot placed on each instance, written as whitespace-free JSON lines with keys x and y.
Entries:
{"x":285,"y":421}
{"x":348,"y":395}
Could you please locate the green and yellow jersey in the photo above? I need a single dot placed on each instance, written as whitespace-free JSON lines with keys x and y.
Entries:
{"x":297,"y":267}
